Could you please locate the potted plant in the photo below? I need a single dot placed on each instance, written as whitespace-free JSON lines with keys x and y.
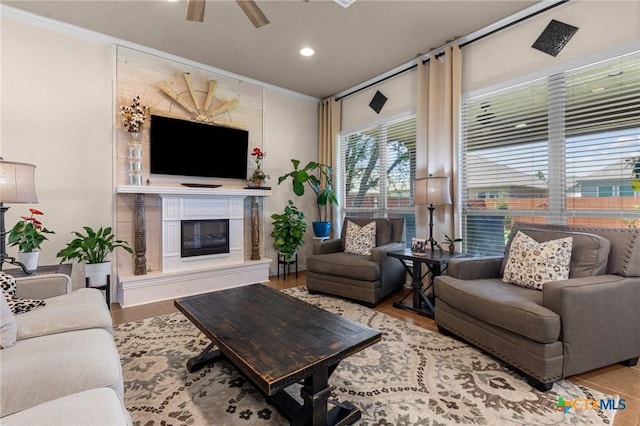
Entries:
{"x":28,"y":234}
{"x":288,"y":231}
{"x":451,"y":242}
{"x":319,"y":178}
{"x":93,"y":248}
{"x":258,"y":177}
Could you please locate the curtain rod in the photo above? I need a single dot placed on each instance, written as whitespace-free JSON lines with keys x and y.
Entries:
{"x":466,"y":40}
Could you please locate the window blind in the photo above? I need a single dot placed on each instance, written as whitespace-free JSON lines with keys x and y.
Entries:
{"x":377,"y":170}
{"x":561,"y":149}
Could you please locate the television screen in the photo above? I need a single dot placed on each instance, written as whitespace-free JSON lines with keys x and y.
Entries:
{"x":188,"y":148}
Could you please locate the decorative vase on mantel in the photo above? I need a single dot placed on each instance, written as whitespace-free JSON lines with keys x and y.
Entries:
{"x":134,"y":159}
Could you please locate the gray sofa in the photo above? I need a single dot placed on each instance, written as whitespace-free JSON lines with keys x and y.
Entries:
{"x":570,"y":326}
{"x":63,"y":367}
{"x":365,"y":279}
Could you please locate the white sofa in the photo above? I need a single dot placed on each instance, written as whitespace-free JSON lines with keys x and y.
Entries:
{"x":64,"y":367}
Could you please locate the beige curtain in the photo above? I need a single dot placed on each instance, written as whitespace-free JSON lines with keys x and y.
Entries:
{"x":329,"y":113}
{"x":439,"y":94}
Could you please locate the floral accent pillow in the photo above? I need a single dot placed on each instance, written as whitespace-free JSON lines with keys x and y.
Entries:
{"x":360,"y":239}
{"x":530,"y":264}
{"x":17,"y":305}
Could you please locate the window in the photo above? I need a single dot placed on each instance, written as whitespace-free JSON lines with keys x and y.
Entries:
{"x":377,"y":170}
{"x":563,"y":149}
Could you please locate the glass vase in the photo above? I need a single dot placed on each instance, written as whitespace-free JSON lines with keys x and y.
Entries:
{"x":134,"y":159}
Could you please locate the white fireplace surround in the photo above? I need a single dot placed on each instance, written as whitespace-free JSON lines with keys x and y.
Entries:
{"x":187,"y":276}
{"x":176,"y":208}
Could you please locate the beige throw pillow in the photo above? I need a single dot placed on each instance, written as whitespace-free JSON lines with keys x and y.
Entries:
{"x":360,"y":239}
{"x":531,"y":264}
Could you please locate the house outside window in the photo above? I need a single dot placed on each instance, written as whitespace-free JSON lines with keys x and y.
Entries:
{"x":557,"y":149}
{"x":377,"y":170}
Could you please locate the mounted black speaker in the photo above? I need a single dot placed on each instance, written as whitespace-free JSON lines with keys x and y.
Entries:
{"x":554,"y":37}
{"x":378,"y":102}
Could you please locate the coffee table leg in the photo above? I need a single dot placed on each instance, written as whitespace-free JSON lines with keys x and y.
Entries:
{"x":205,"y":357}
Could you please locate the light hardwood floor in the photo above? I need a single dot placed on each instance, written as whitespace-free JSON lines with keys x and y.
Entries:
{"x":612,"y":380}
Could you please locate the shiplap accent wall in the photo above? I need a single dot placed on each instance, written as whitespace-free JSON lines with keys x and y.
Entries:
{"x":139,"y":73}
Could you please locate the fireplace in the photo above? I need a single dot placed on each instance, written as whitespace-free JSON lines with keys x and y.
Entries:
{"x":204,"y":237}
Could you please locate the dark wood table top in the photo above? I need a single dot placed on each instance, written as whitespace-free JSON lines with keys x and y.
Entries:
{"x":273,"y":338}
{"x":430,"y":256}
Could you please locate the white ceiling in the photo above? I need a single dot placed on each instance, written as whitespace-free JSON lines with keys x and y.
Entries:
{"x":352,"y":45}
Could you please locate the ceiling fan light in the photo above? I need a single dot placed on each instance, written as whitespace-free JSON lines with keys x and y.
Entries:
{"x":345,"y":3}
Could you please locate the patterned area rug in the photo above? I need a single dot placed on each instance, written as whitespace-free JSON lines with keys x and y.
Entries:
{"x":412,"y":377}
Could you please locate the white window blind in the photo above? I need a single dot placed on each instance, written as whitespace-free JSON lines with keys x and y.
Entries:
{"x":377,"y":170}
{"x":560,"y":150}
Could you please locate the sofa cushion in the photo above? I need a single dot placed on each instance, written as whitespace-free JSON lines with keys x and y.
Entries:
{"x":345,"y":265}
{"x":8,"y":327}
{"x":94,"y":407}
{"x":517,"y":309}
{"x":17,"y":305}
{"x":360,"y":239}
{"x":48,"y":367}
{"x":81,"y":309}
{"x":624,"y":253}
{"x":531,"y":264}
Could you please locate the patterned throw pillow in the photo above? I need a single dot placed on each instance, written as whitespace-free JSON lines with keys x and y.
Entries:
{"x":360,"y":239}
{"x":17,"y":305}
{"x":531,"y":264}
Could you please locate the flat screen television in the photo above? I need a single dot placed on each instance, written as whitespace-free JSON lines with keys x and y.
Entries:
{"x":188,"y":148}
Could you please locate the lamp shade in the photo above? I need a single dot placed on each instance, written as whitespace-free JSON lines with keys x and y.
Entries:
{"x":433,"y":190}
{"x":17,"y":184}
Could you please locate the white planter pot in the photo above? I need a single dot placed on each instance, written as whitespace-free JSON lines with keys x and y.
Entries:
{"x":29,"y":260}
{"x":97,"y":273}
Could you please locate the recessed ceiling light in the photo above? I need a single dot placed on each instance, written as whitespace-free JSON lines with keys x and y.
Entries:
{"x":520,"y":126}
{"x":597,"y":89}
{"x":307,"y":51}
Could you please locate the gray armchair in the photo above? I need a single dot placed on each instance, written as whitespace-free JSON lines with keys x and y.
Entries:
{"x":365,"y":279}
{"x":572,"y":326}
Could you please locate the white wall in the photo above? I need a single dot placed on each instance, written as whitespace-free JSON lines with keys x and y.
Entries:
{"x":506,"y":55}
{"x":291,"y":131}
{"x":57,"y":114}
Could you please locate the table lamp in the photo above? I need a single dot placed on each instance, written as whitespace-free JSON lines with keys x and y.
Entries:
{"x":432,"y":191}
{"x":16,"y":186}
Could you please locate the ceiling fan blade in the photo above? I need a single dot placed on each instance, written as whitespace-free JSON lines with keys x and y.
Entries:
{"x":253,"y":12}
{"x":195,"y":10}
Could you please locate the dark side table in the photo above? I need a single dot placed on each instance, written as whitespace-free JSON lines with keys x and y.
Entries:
{"x":436,"y":263}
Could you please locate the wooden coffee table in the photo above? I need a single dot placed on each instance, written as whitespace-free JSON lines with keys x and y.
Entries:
{"x":277,"y":340}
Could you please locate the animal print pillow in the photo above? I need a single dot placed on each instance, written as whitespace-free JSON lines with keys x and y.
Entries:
{"x":360,"y":239}
{"x":17,"y":305}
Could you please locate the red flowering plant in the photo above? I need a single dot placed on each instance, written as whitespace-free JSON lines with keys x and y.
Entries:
{"x":258,"y":176}
{"x":28,"y":233}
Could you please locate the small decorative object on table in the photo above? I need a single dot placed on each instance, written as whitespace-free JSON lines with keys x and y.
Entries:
{"x":28,"y":234}
{"x":133,"y":118}
{"x":418,"y":245}
{"x":259,"y":177}
{"x":451,"y":242}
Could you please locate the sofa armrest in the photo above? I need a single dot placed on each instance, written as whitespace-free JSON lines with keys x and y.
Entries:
{"x":379,"y":253}
{"x":43,"y":286}
{"x":474,"y":268}
{"x":599,"y":317}
{"x":327,"y":246}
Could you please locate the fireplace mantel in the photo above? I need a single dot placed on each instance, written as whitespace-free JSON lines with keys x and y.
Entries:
{"x":177,"y":189}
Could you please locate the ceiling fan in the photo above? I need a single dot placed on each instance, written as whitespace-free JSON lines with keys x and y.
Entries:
{"x":195,"y":11}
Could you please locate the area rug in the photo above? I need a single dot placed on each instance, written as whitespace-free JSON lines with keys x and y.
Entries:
{"x":412,"y":377}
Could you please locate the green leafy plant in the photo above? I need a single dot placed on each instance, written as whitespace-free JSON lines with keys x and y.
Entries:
{"x":28,"y":233}
{"x":451,"y":241}
{"x":92,"y":247}
{"x":288,"y":230}
{"x":318,"y":177}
